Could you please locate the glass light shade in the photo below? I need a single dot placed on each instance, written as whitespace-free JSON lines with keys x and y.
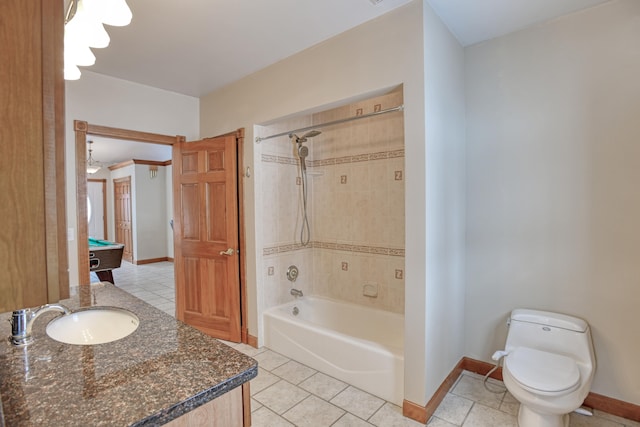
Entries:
{"x":91,"y":169}
{"x":113,"y":12}
{"x":71,"y":71}
{"x":86,"y":26}
{"x":75,"y":52}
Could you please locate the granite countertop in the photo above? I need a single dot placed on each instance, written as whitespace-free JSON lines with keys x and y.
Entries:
{"x":158,"y":373}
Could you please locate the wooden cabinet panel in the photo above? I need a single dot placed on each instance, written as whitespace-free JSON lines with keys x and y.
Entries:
{"x":33,"y":260}
{"x":225,"y":411}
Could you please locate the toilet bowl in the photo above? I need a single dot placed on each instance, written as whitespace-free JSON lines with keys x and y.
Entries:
{"x":548,"y":366}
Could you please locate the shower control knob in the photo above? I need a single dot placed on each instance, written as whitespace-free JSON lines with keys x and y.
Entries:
{"x":228,"y":252}
{"x":292,"y":273}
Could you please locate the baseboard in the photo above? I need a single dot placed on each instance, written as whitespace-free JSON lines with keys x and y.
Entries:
{"x":613,"y":406}
{"x":423,"y":413}
{"x":150,"y":260}
{"x":479,"y":367}
{"x":414,"y":411}
{"x":252,"y":341}
{"x":595,"y":401}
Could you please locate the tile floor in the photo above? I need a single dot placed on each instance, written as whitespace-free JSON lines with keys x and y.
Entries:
{"x":152,"y":283}
{"x":288,"y":393}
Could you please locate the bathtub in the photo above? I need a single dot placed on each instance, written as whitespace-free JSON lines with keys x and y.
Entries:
{"x":358,"y":345}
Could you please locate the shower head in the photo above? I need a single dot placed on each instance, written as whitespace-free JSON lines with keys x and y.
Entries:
{"x":303,"y":138}
{"x":311,"y":134}
{"x":303,"y":152}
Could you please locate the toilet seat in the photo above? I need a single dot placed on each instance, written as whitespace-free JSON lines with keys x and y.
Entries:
{"x":541,"y":372}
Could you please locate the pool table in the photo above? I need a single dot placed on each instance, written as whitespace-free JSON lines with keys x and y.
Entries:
{"x":104,"y":256}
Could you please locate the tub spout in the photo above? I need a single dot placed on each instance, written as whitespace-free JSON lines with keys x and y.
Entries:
{"x":296,"y":292}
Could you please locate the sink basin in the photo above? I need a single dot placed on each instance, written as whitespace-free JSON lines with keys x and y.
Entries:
{"x":93,"y":326}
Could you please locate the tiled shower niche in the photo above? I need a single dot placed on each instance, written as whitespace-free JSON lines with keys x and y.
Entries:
{"x":355,"y":205}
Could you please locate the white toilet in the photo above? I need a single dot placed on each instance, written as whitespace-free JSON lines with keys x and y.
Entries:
{"x":548,"y":366}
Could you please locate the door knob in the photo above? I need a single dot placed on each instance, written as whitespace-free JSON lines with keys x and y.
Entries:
{"x":228,"y":252}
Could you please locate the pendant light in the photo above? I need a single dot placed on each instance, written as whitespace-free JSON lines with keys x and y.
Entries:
{"x":93,"y":166}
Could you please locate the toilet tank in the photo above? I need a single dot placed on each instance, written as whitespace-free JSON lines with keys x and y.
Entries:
{"x":551,"y":332}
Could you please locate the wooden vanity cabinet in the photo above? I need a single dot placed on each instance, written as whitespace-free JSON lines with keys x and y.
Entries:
{"x":33,"y":250}
{"x":223,"y":411}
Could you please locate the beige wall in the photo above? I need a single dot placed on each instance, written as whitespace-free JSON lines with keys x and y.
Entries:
{"x":553,"y":206}
{"x":380,"y":54}
{"x":151,"y":221}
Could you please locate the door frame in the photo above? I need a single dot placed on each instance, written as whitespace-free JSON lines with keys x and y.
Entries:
{"x":82,"y":129}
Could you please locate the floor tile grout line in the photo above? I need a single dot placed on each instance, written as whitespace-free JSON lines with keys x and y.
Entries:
{"x":286,"y":410}
{"x":468,"y":412}
{"x":374,"y":412}
{"x":318,"y":397}
{"x":384,"y":402}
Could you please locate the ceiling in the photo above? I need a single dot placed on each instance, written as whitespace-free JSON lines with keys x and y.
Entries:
{"x":474,"y":21}
{"x":109,"y":151}
{"x":196,"y":47}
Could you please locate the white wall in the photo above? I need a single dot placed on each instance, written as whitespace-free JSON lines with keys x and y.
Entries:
{"x":553,"y":205}
{"x":444,"y":166}
{"x":98,"y":212}
{"x":169,"y":209}
{"x":150,"y":218}
{"x":380,"y":54}
{"x":151,"y":223}
{"x":108,"y":101}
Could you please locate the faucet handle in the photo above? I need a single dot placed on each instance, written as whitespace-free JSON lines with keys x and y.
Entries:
{"x":19,"y":321}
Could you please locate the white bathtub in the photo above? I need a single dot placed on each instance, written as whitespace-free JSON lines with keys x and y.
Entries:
{"x":358,"y":345}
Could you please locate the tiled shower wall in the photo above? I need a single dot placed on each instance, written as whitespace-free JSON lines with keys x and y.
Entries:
{"x":355,"y":207}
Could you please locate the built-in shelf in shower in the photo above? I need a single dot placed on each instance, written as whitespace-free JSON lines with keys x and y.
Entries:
{"x":315,"y":173}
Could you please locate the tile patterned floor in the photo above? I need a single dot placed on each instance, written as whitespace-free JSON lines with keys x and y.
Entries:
{"x":288,"y":393}
{"x":152,"y":283}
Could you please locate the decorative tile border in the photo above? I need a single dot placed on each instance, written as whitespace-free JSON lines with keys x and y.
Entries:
{"x":382,"y":155}
{"x":267,"y":158}
{"x":375,"y":250}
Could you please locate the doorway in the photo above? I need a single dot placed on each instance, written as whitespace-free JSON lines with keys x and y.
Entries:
{"x":82,"y":130}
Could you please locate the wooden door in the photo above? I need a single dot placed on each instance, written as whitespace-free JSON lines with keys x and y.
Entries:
{"x":206,"y":236}
{"x":122,"y":215}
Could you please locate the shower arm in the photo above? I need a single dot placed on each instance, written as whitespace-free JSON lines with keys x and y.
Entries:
{"x":335,"y":122}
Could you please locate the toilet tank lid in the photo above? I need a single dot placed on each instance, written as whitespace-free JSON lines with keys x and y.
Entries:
{"x":548,"y":318}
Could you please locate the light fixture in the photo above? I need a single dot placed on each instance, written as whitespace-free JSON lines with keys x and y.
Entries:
{"x":153,"y":171}
{"x":84,"y":29}
{"x":93,"y":166}
{"x":112,"y":12}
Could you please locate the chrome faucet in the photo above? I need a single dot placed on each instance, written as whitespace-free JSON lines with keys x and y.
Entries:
{"x":22,"y":322}
{"x":296,"y":292}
